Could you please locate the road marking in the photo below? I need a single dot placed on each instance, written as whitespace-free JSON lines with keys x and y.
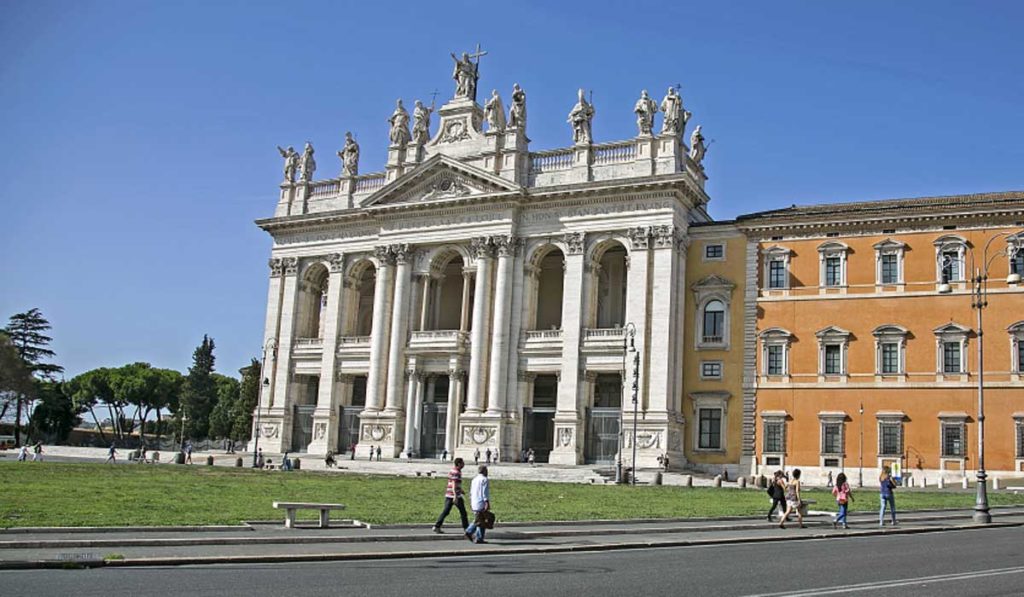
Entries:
{"x":874,"y":585}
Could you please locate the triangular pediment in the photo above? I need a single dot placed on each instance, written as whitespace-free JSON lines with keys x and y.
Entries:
{"x":440,"y":178}
{"x":713,"y":282}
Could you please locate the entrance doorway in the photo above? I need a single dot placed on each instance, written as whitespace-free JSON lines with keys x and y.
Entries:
{"x":349,"y":431}
{"x":434,"y":417}
{"x":604,"y":419}
{"x":302,"y":427}
{"x":539,"y":419}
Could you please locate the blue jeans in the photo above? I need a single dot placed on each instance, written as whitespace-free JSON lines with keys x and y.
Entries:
{"x":476,"y":526}
{"x":841,"y":517}
{"x":887,"y":499}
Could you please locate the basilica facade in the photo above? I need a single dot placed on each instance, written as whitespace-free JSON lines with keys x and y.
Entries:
{"x":580,"y":303}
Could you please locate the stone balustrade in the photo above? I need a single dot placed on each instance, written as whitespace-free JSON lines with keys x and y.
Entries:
{"x":555,"y":159}
{"x":323,"y":189}
{"x":611,"y":153}
{"x":438,"y":341}
{"x":367,"y":183}
{"x":309,"y":342}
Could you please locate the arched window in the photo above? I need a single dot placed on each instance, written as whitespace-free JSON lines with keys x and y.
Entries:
{"x":713,"y":329}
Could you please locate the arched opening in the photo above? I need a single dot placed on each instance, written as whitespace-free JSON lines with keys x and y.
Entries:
{"x":447,"y":290}
{"x":364,"y":281}
{"x":550,"y":281}
{"x":312,"y":302}
{"x":612,"y":278}
{"x":713,"y":322}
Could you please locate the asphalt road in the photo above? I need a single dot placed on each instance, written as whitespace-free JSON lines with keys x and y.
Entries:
{"x":959,"y":563}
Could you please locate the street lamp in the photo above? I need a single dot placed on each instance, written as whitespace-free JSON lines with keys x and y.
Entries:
{"x":860,"y":452}
{"x":628,"y":345}
{"x":979,"y":300}
{"x":259,"y":409}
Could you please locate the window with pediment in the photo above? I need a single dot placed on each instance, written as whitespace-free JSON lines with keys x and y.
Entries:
{"x":832,"y":257}
{"x":889,"y":263}
{"x":950,"y":254}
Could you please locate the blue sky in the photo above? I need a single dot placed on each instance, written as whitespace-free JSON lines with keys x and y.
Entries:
{"x":139,"y":137}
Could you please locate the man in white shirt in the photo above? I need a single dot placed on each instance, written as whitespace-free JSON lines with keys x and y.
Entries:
{"x":480,"y":502}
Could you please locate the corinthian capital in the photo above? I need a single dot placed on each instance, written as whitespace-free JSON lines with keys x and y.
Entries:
{"x":402,"y":252}
{"x":291,"y":265}
{"x":337,"y":262}
{"x":574,"y":242}
{"x":276,"y":265}
{"x":384,"y":254}
{"x":664,"y":236}
{"x":482,"y":247}
{"x":505,"y":246}
{"x":639,"y":237}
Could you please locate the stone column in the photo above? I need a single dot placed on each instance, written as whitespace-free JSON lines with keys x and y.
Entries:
{"x":399,"y":330}
{"x":411,"y":430}
{"x":451,"y":421}
{"x":279,"y":415}
{"x":481,"y":318}
{"x":270,"y":328}
{"x":416,"y":416}
{"x":325,"y":418}
{"x":467,"y":279}
{"x":380,"y":332}
{"x":661,"y":323}
{"x":567,"y":448}
{"x":500,"y":336}
{"x":425,"y":301}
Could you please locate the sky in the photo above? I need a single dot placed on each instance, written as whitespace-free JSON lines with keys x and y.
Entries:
{"x":139,"y":137}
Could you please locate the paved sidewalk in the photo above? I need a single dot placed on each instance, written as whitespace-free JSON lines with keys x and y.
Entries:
{"x":266,"y":542}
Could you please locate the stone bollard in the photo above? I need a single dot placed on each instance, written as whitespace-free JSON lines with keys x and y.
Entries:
{"x":296,"y":464}
{"x":209,"y":461}
{"x":238,"y":462}
{"x":718,"y":481}
{"x":742,"y":483}
{"x":941,"y":483}
{"x":924,"y":482}
{"x":910,"y":482}
{"x":995,"y":483}
{"x":964,"y":483}
{"x":657,"y":478}
{"x":762,"y":482}
{"x":689,"y":481}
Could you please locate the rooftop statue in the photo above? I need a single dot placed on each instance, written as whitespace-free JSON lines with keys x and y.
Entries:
{"x":421,"y":123}
{"x":466,"y":75}
{"x":580,"y":118}
{"x":517,"y":113}
{"x":349,"y":155}
{"x":645,"y":110}
{"x":308,"y":165}
{"x":697,"y":147}
{"x":495,"y":112}
{"x":399,"y":120}
{"x":291,"y":162}
{"x":675,"y":116}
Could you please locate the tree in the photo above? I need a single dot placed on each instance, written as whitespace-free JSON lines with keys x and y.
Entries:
{"x":15,"y":378}
{"x":55,"y":415}
{"x":199,"y":395}
{"x":27,"y":333}
{"x":248,"y":397}
{"x":227,"y":398}
{"x":90,"y":389}
{"x":166,"y":393}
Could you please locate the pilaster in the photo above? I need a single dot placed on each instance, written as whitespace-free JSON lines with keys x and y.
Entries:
{"x":646,"y":152}
{"x":481,"y":321}
{"x":637,"y":303}
{"x":662,"y":363}
{"x":669,"y":154}
{"x":568,"y":416}
{"x":583,"y":159}
{"x":515,"y":157}
{"x":325,"y":419}
{"x":276,"y":420}
{"x":399,"y":329}
{"x":498,"y":383}
{"x":394,"y":166}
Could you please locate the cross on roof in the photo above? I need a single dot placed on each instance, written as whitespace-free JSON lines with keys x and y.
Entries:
{"x":477,"y":54}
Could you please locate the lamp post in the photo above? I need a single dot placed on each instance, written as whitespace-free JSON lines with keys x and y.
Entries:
{"x":259,"y":409}
{"x":636,"y":388}
{"x":979,"y":300}
{"x":860,"y":451}
{"x":628,"y":344}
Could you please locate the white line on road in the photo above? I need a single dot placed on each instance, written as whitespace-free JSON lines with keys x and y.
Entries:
{"x":855,"y":588}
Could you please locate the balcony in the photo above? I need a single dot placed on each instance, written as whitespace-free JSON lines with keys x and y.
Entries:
{"x":541,"y":341}
{"x":603,"y":340}
{"x":442,"y":341}
{"x":308,"y":347}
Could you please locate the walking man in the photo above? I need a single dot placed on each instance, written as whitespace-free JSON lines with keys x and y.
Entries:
{"x":37,"y":452}
{"x":188,"y":453}
{"x":453,"y":496}
{"x":378,"y":453}
{"x":371,"y":453}
{"x":111,"y":453}
{"x":480,"y":501}
{"x":488,"y":455}
{"x":476,"y":457}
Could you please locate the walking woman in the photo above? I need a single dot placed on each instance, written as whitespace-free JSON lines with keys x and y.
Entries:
{"x":843,"y":497}
{"x":793,"y":501}
{"x":886,"y":496}
{"x":778,"y":494}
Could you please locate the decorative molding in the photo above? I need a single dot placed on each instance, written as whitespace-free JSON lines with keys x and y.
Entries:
{"x":639,"y":237}
{"x":336,"y":262}
{"x":377,"y":432}
{"x":478,"y":434}
{"x":270,"y":430}
{"x":319,"y":431}
{"x":664,"y":236}
{"x":482,"y":247}
{"x":276,"y":265}
{"x":565,"y":436}
{"x":402,"y":253}
{"x":291,"y":265}
{"x":575,"y":242}
{"x":504,"y":246}
{"x":385,"y":255}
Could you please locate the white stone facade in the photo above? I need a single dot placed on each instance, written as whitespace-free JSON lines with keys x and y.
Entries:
{"x":474,"y":296}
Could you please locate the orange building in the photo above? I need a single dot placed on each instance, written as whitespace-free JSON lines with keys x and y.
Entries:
{"x":867,"y":343}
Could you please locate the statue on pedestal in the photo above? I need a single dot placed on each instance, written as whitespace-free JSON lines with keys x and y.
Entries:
{"x":494,"y":111}
{"x":291,"y":162}
{"x":675,"y":116}
{"x":580,"y":118}
{"x":465,"y":74}
{"x":349,"y":155}
{"x":308,"y":164}
{"x":517,"y":113}
{"x":421,"y":123}
{"x":697,"y":147}
{"x":645,"y":110}
{"x":399,"y":120}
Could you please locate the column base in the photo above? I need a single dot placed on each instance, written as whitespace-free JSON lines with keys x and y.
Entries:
{"x":568,"y":442}
{"x":325,"y":434}
{"x":383,"y":430}
{"x":485,"y":432}
{"x":273,"y":439}
{"x":654,"y":438}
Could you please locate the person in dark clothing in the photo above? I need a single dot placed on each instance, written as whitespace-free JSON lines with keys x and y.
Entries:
{"x":777,"y":493}
{"x":453,"y":497}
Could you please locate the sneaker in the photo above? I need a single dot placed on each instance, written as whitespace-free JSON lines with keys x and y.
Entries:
{"x":470,"y":538}
{"x":845,"y":526}
{"x":834,"y":524}
{"x":478,"y":541}
{"x":438,"y":530}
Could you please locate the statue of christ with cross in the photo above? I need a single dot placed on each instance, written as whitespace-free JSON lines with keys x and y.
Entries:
{"x":466,"y":73}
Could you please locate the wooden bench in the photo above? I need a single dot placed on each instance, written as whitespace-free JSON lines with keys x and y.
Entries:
{"x":290,"y":508}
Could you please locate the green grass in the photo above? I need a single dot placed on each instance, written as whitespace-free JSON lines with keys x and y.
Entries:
{"x":58,"y":494}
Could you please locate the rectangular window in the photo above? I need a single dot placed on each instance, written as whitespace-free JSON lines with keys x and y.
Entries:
{"x":773,"y":437}
{"x":951,"y":270}
{"x":890,"y":269}
{"x":1020,"y":357}
{"x":952,"y":441}
{"x":833,"y":271}
{"x":775,"y":361}
{"x":951,"y":357}
{"x":1017,"y":262}
{"x":710,"y":429}
{"x":714,"y":325}
{"x":890,"y":436}
{"x":832,"y":438}
{"x":890,"y":358}
{"x":711,"y":369}
{"x":1020,"y":440}
{"x":714,"y":251}
{"x":833,"y":360}
{"x":777,"y":273}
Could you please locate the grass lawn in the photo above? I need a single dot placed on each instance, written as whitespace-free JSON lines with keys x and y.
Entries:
{"x":58,"y":494}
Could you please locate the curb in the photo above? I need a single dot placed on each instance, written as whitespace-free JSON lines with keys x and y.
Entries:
{"x":330,"y":557}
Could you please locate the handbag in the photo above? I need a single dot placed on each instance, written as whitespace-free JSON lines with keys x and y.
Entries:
{"x":488,"y":519}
